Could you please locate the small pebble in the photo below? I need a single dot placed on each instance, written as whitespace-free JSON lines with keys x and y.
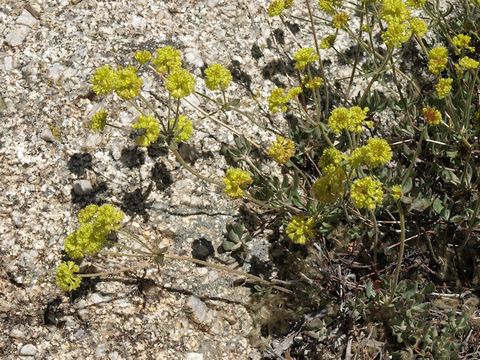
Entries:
{"x":16,"y":218}
{"x":47,"y":135}
{"x":28,"y":350}
{"x":82,"y":187}
{"x":17,"y":35}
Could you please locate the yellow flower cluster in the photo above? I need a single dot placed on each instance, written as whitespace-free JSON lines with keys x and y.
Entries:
{"x":437,"y":59}
{"x":462,"y":41}
{"x":327,"y":42}
{"x":376,"y":152}
{"x":416,"y":4}
{"x":167,"y":59}
{"x":180,"y":83}
{"x":443,"y":87}
{"x":278,"y":99}
{"x":396,"y":192}
{"x":150,"y":127}
{"x":329,"y":6}
{"x":103,"y":80}
{"x":281,"y":150}
{"x":300,"y":229}
{"x":184,"y":129}
{"x":329,"y":187}
{"x":96,"y":222}
{"x":277,"y":7}
{"x":143,"y":56}
{"x":432,"y":115}
{"x":236,"y":181}
{"x":124,"y":81}
{"x":350,"y":119}
{"x":468,"y":63}
{"x":340,"y":20}
{"x":127,"y":83}
{"x":312,"y":83}
{"x":217,"y":77}
{"x":366,"y":193}
{"x":99,"y":121}
{"x":419,"y":27}
{"x":330,"y":156}
{"x":65,"y":276}
{"x":304,"y":56}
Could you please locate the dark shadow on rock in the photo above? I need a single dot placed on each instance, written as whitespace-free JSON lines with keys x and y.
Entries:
{"x":202,"y":249}
{"x":260,"y":267}
{"x":161,"y":176}
{"x":157,"y":149}
{"x":256,"y":52}
{"x":279,"y":36}
{"x":97,"y":196}
{"x":132,"y":157}
{"x":276,"y":67}
{"x":294,"y":27}
{"x":52,"y":315}
{"x":135,"y":203}
{"x":79,"y":163}
{"x":240,"y":76}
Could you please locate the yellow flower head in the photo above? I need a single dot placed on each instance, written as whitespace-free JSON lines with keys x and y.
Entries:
{"x":184,"y":128}
{"x":462,"y":41}
{"x":312,"y":83}
{"x":103,"y":80}
{"x":151,"y":130}
{"x":127,"y":84}
{"x":99,"y":121}
{"x":217,"y":77}
{"x":167,"y":59}
{"x":330,"y":156}
{"x":65,"y":276}
{"x":419,"y":27}
{"x":180,"y":83}
{"x":143,"y":56}
{"x":366,"y":193}
{"x":340,"y":20}
{"x":276,"y":8}
{"x":278,"y":99}
{"x":468,"y":63}
{"x":394,"y":11}
{"x":350,"y":119}
{"x":236,"y":181}
{"x":303,"y":57}
{"x":443,"y":87}
{"x":377,"y":152}
{"x":396,"y":192}
{"x":300,"y":229}
{"x":397,"y":33}
{"x":87,"y":214}
{"x":416,"y":4}
{"x":329,"y":6}
{"x":437,"y":59}
{"x":327,"y":42}
{"x":432,"y":115}
{"x":282,"y":150}
{"x":329,"y":187}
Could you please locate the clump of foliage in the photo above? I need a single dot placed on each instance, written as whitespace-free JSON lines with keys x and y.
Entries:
{"x":342,"y":180}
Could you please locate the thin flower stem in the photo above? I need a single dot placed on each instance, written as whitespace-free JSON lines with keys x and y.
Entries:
{"x":192,"y":170}
{"x":375,"y":242}
{"x":137,"y":239}
{"x":472,"y":223}
{"x":152,"y":109}
{"x":400,"y":250}
{"x":118,"y":271}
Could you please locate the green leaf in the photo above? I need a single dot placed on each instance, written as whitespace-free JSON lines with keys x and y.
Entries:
{"x":407,"y":186}
{"x":437,"y":206}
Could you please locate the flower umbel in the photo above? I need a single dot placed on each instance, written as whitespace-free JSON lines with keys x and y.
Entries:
{"x":300,"y":229}
{"x":180,"y":83}
{"x":127,"y":84}
{"x":468,"y":63}
{"x":443,"y":87}
{"x":65,"y":276}
{"x":217,"y":77}
{"x":366,"y":193}
{"x":303,"y":57}
{"x":99,"y":121}
{"x":350,"y":119}
{"x":167,"y":59}
{"x":184,"y":129}
{"x":150,"y":127}
{"x":236,"y":181}
{"x":103,"y":80}
{"x":282,"y":150}
{"x":143,"y":56}
{"x":437,"y":60}
{"x":432,"y":115}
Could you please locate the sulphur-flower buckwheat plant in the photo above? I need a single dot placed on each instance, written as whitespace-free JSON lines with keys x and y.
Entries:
{"x":374,"y":108}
